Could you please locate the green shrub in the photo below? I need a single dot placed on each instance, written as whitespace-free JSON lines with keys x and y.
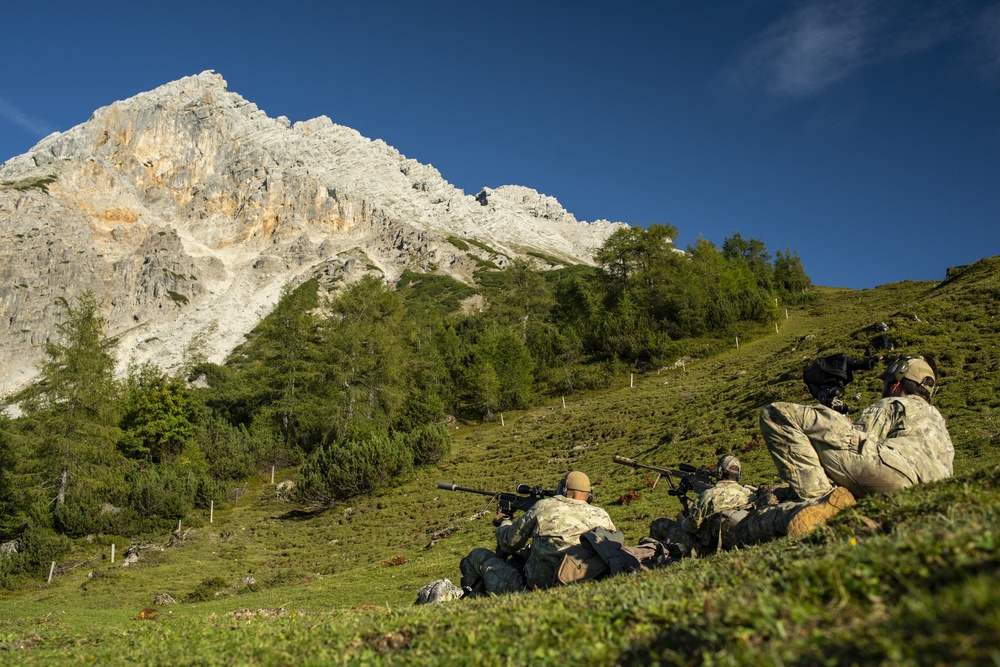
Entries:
{"x":429,"y":444}
{"x":37,"y":547}
{"x":420,"y":409}
{"x":337,"y":471}
{"x":208,"y":589}
{"x":236,"y":452}
{"x":162,"y":492}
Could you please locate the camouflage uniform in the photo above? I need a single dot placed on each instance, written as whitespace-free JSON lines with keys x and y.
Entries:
{"x":670,"y":532}
{"x":552,"y":525}
{"x":705,"y":526}
{"x":706,"y":518}
{"x":895,"y":443}
{"x":766,"y":522}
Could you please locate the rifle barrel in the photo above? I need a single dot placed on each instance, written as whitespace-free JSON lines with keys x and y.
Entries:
{"x":635,"y":464}
{"x":456,"y":487}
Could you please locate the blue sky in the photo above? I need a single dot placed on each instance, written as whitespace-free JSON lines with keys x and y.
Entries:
{"x":865,"y":135}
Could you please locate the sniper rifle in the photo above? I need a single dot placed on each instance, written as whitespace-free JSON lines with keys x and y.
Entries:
{"x":690,"y":478}
{"x":507,"y":503}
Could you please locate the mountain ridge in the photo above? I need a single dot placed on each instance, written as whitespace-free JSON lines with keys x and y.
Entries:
{"x":186,"y":209}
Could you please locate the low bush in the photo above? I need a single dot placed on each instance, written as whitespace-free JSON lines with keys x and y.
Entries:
{"x":429,"y":444}
{"x":337,"y":471}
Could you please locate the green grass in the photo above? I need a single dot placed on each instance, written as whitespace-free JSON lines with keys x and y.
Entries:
{"x":41,"y":184}
{"x":458,"y":243}
{"x":177,"y":298}
{"x":909,"y":579}
{"x":548,"y":259}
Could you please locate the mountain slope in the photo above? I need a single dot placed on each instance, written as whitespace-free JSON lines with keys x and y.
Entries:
{"x":186,"y":209}
{"x":905,"y":580}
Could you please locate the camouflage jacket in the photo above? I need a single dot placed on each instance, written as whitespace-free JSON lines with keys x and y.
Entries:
{"x":553,"y":525}
{"x":704,"y":518}
{"x":911,"y":429}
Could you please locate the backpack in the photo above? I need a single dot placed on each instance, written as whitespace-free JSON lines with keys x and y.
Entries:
{"x":602,"y":553}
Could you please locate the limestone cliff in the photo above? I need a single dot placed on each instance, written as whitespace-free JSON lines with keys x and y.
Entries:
{"x":186,"y":209}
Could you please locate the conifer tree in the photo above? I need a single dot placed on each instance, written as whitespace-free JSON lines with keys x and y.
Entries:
{"x":71,"y":414}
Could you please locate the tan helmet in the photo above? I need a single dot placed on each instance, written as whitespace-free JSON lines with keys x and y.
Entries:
{"x":575,"y":481}
{"x":912,"y":368}
{"x":578,"y":481}
{"x":729,"y":467}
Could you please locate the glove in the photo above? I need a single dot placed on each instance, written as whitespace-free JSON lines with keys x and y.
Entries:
{"x":500,"y":518}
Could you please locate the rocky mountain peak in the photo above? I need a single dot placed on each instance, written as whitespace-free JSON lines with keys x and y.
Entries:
{"x":185,"y":209}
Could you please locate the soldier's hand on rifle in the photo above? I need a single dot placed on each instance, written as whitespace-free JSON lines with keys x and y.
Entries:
{"x":500,"y":518}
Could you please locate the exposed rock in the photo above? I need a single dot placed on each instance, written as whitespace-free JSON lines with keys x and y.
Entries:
{"x":283,"y":489}
{"x":163,"y":599}
{"x":441,"y":590}
{"x":186,"y":209}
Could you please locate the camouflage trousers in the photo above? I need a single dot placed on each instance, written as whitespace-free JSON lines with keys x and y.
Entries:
{"x":485,"y":572}
{"x":767,"y":522}
{"x":680,"y":542}
{"x":815,"y":448}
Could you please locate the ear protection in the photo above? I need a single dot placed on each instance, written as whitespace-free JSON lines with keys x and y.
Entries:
{"x":912,"y":368}
{"x":561,"y":489}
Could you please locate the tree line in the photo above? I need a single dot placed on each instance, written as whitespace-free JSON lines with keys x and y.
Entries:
{"x":356,"y":384}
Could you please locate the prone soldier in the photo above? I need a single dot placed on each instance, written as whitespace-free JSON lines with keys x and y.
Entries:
{"x":551,"y":525}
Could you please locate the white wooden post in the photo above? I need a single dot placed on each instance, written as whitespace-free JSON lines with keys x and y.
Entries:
{"x":112,"y":553}
{"x":786,"y":313}
{"x":52,"y":569}
{"x":737,"y":342}
{"x":630,"y":384}
{"x":178,"y":526}
{"x":272,"y":475}
{"x":564,"y":402}
{"x":211,"y":511}
{"x":775,"y":327}
{"x":501,"y":420}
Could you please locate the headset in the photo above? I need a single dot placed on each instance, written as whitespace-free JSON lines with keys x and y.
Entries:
{"x":561,"y":489}
{"x":898,"y":370}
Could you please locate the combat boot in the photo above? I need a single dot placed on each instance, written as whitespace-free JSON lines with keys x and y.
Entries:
{"x":808,"y":518}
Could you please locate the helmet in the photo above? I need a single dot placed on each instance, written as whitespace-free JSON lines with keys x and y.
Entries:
{"x":575,"y":481}
{"x":729,"y":467}
{"x":912,"y":368}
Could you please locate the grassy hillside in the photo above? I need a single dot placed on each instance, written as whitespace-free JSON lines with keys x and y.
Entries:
{"x":906,"y":580}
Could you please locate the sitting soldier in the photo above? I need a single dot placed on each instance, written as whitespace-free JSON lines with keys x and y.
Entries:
{"x":827,"y":461}
{"x":552,"y":526}
{"x":897,"y":442}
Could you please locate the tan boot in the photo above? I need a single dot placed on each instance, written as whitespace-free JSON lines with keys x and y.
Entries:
{"x":809,"y":517}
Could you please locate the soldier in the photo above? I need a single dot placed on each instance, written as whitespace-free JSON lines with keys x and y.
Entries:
{"x":708,"y":522}
{"x":898,"y":441}
{"x":552,"y":525}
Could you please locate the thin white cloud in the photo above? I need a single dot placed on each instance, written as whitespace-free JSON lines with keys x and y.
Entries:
{"x":823,"y":42}
{"x":15,"y":116}
{"x":984,"y":46}
{"x":801,"y":54}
